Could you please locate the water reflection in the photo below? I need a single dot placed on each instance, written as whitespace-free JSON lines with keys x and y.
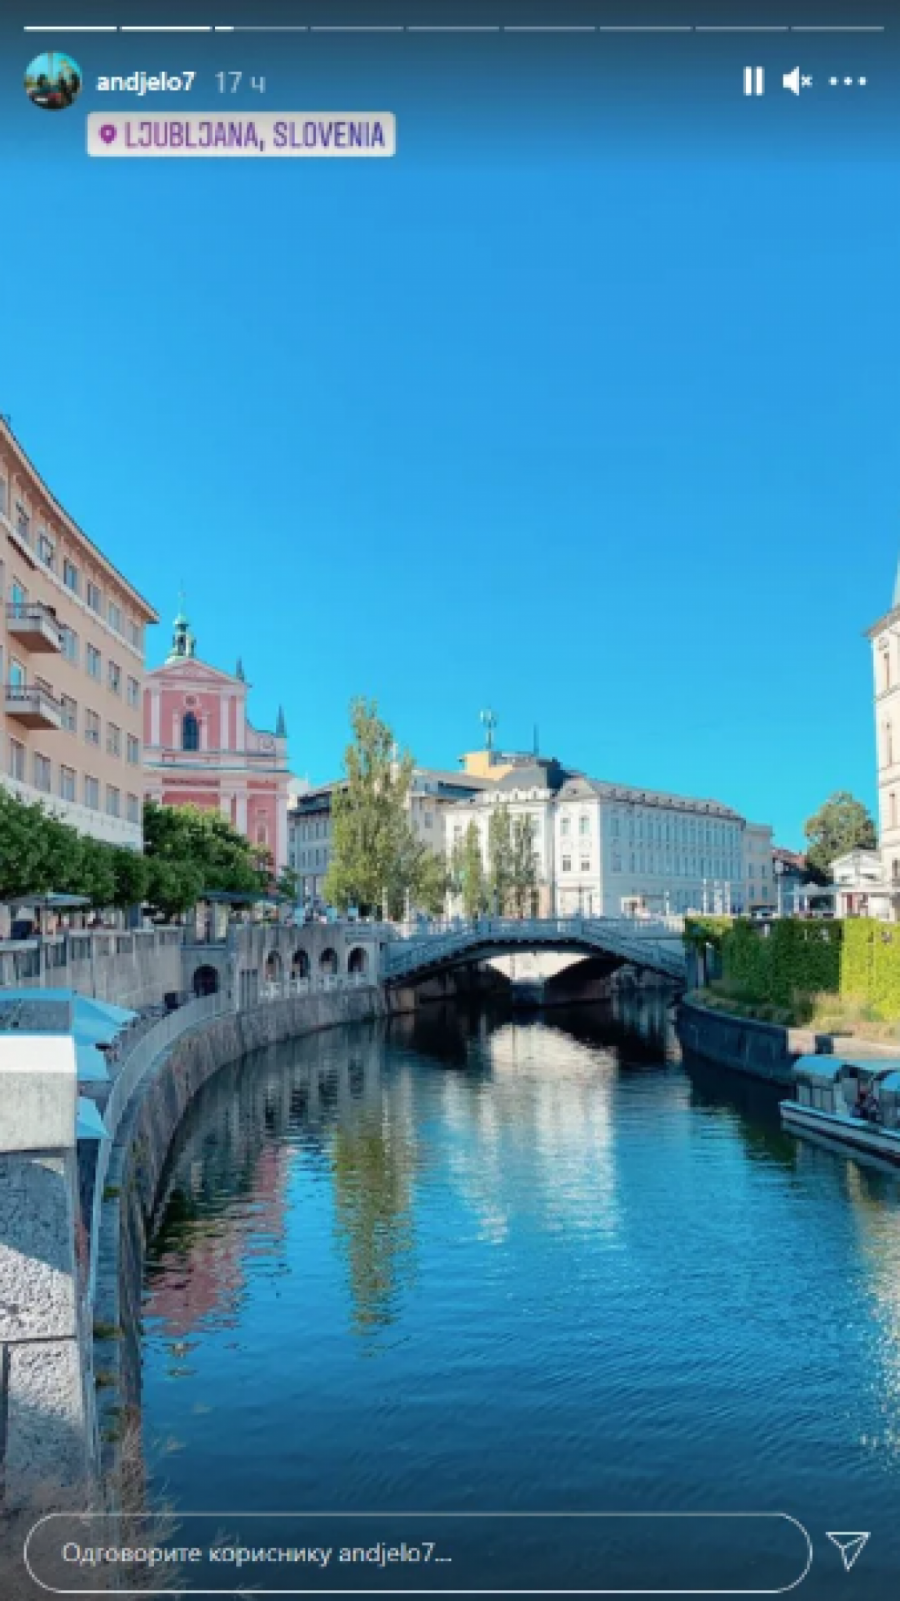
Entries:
{"x":591,"y":1276}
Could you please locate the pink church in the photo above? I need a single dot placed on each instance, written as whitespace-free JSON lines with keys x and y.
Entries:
{"x":200,"y":748}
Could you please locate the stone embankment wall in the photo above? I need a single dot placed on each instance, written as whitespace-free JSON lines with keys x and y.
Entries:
{"x":764,"y":1050}
{"x":135,"y":1170}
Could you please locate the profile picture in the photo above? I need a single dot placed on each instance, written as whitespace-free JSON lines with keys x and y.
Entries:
{"x":53,"y":81}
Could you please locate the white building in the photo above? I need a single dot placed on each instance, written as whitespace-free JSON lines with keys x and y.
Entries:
{"x":885,"y":640}
{"x":611,"y":849}
{"x":432,"y":793}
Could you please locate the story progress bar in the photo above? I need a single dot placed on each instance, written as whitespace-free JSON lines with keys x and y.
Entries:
{"x":449,"y":27}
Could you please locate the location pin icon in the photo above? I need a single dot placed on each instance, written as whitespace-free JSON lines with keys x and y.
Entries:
{"x":107,"y":133}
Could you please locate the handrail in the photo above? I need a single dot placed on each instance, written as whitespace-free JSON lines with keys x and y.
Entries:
{"x":617,"y":936}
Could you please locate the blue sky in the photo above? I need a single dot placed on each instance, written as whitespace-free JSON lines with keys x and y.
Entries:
{"x":601,"y":434}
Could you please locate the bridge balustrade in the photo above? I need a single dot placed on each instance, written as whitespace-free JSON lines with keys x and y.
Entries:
{"x":632,"y":940}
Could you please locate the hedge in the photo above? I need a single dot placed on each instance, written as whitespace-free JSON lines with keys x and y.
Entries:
{"x":858,"y":959}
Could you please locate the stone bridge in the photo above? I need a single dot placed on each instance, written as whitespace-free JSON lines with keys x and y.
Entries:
{"x":655,"y":946}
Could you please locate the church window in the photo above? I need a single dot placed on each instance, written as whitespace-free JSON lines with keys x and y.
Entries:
{"x":190,"y":732}
{"x":886,"y":669}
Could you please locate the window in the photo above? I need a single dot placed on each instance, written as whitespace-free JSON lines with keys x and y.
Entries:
{"x":584,"y":826}
{"x":92,"y":793}
{"x":113,"y":740}
{"x":70,"y":576}
{"x":114,"y":617}
{"x":17,"y":760}
{"x":567,"y":864}
{"x":4,"y":502}
{"x":134,"y":750}
{"x":564,"y":826}
{"x":136,"y":635}
{"x":429,"y":820}
{"x":17,"y":594}
{"x":92,"y":728}
{"x":93,"y":662}
{"x":616,"y":862}
{"x":69,"y":644}
{"x":134,"y":809}
{"x":69,"y":713}
{"x":585,"y":864}
{"x":94,"y":597}
{"x":133,"y":691}
{"x":67,"y":783}
{"x":112,"y":801}
{"x":190,"y":732}
{"x":46,"y":549}
{"x":115,"y":677}
{"x":23,"y":523}
{"x":16,"y":673}
{"x":42,"y":774}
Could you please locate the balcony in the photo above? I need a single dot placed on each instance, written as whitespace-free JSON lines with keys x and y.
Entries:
{"x":32,"y":705}
{"x":33,"y":625}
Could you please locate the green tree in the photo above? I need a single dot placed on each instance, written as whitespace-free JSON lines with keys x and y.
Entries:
{"x":205,"y":841}
{"x":524,"y":867}
{"x":469,"y":868}
{"x":96,"y":873}
{"x":173,"y":886}
{"x":131,"y":871}
{"x":501,"y":858}
{"x":24,"y":856}
{"x":841,"y":824}
{"x":288,"y":884}
{"x":375,"y":856}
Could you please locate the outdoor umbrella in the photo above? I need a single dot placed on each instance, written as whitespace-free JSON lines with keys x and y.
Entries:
{"x":89,"y":1125}
{"x":91,"y":1063}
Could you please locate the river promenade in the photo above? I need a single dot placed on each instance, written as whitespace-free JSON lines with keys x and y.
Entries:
{"x":67,"y":1204}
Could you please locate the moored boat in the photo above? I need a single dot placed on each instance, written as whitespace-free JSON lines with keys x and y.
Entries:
{"x":852,"y":1100}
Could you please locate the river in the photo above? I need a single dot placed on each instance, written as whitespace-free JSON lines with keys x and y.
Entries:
{"x":467,"y":1261}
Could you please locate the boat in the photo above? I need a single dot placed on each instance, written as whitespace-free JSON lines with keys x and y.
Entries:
{"x":854,"y":1101}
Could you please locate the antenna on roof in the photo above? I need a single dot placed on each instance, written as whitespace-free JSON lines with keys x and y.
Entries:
{"x":536,"y":741}
{"x":489,"y":720}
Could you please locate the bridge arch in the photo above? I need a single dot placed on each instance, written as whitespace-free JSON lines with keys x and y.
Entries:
{"x":654,"y":946}
{"x":358,"y":960}
{"x":328,"y":961}
{"x":300,"y":964}
{"x":273,"y":967}
{"x":206,"y":980}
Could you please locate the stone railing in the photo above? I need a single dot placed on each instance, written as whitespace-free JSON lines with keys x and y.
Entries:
{"x":48,"y":959}
{"x":645,"y":942}
{"x":285,"y":988}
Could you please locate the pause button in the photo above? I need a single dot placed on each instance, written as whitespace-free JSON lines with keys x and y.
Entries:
{"x":754,"y":81}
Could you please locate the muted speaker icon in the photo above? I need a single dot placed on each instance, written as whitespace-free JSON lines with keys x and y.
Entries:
{"x":791,"y":80}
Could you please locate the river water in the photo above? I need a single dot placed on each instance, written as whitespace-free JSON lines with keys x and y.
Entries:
{"x":479,"y":1263}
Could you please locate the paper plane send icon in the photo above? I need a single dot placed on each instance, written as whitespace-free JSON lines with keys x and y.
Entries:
{"x":850,"y":1546}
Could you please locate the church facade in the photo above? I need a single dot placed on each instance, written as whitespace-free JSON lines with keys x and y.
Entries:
{"x":201,"y":749}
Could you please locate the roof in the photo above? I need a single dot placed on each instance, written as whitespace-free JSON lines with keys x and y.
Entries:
{"x":607,"y":790}
{"x":151,"y":614}
{"x":535,"y":775}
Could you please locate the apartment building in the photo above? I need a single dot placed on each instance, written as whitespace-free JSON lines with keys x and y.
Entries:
{"x":71,"y":663}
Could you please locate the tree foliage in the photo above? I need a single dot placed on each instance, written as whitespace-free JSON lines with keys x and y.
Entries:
{"x":39,"y":855}
{"x":376,"y":860}
{"x":467,"y":876}
{"x":524,"y":868}
{"x":192,"y":836}
{"x":841,"y":824}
